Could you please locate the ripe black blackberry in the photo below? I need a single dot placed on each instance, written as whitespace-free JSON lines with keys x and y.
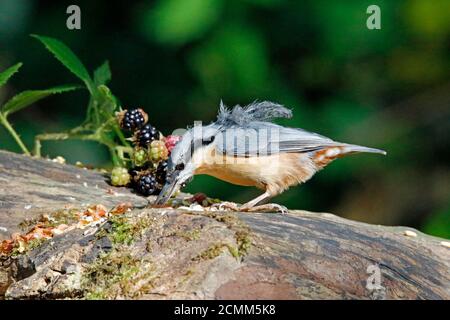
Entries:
{"x":147,"y":185}
{"x":161,"y":172}
{"x":146,"y":135}
{"x":133,"y":119}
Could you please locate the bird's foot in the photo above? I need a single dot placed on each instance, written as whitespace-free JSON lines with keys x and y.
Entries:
{"x":226,"y":206}
{"x":268,"y":207}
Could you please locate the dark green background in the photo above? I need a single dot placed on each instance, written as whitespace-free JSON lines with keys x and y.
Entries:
{"x":387,"y":88}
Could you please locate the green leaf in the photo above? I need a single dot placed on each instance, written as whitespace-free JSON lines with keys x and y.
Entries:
{"x":102,"y":75}
{"x":26,"y":98}
{"x":66,"y":56}
{"x":5,"y":75}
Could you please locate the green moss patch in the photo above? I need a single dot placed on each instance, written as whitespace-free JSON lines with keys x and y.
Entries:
{"x":111,"y":276}
{"x":124,"y":230}
{"x":242,"y":232}
{"x":210,"y":253}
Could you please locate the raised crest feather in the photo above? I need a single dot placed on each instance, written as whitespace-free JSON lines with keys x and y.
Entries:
{"x":256,"y":111}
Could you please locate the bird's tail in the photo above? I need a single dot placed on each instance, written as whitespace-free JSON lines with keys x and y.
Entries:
{"x":352,"y":148}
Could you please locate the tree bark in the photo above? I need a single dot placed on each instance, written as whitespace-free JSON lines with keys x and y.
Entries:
{"x":196,"y":253}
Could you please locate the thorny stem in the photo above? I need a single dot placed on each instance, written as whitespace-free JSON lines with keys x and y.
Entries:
{"x":117,"y":162}
{"x":78,"y":129}
{"x":121,"y":152}
{"x":13,"y":133}
{"x":116,"y":129}
{"x":116,"y":153}
{"x":59,"y":136}
{"x":121,"y":136}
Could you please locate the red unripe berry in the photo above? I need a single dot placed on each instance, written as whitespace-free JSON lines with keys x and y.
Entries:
{"x":171,"y":141}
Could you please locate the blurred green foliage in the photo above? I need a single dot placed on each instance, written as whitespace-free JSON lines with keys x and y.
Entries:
{"x":178,"y":22}
{"x":439,"y":223}
{"x":387,"y":88}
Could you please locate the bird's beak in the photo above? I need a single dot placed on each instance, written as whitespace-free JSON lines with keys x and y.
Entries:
{"x":171,"y":187}
{"x":167,"y":191}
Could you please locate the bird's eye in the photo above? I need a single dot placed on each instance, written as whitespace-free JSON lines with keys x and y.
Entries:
{"x":179,"y":166}
{"x":183,"y":185}
{"x":208,"y":140}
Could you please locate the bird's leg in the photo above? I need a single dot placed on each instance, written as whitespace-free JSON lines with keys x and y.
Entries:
{"x":252,"y":206}
{"x":225,"y":205}
{"x":252,"y":203}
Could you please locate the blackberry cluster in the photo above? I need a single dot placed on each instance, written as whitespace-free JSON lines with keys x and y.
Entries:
{"x":146,"y":135}
{"x":133,"y":119}
{"x":148,"y":171}
{"x":147,"y":185}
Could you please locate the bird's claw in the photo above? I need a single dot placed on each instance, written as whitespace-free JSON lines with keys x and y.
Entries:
{"x":226,"y":206}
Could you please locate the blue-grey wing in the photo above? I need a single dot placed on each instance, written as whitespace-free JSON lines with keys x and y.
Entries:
{"x":263,"y":138}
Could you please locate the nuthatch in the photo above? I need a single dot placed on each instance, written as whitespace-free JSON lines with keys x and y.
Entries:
{"x":243,"y":147}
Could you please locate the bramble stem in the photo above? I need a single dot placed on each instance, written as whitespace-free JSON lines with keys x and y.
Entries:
{"x":121,"y":152}
{"x":115,"y":159}
{"x":60,"y":136}
{"x":13,"y":133}
{"x":116,"y":153}
{"x":121,"y":136}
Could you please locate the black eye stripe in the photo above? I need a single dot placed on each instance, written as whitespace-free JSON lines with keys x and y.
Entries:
{"x":179,"y":166}
{"x":195,"y":144}
{"x":208,"y":141}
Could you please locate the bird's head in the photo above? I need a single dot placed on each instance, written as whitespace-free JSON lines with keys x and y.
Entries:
{"x":184,"y":159}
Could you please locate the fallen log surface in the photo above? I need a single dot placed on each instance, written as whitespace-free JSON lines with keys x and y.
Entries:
{"x":169,"y":253}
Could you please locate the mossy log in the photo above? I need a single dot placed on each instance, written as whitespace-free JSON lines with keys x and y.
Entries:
{"x":169,"y":253}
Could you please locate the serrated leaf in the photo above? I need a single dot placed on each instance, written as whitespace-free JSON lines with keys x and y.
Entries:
{"x":26,"y":98}
{"x":102,"y":75}
{"x":66,"y":56}
{"x":5,"y":75}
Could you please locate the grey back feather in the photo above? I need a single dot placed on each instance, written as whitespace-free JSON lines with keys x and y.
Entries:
{"x":265,"y":138}
{"x":241,"y":124}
